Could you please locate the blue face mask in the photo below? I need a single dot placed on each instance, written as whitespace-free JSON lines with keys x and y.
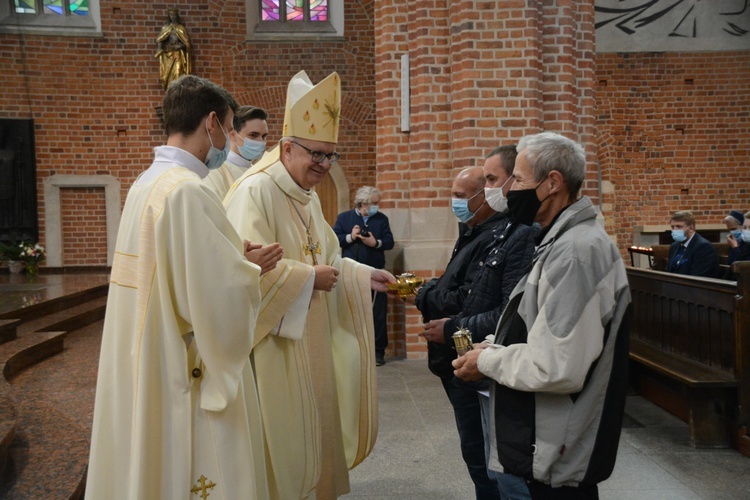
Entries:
{"x":736,"y":234}
{"x":216,"y":157}
{"x":252,"y":150}
{"x":746,"y":235}
{"x":372,"y":210}
{"x":678,"y":235}
{"x":460,"y":207}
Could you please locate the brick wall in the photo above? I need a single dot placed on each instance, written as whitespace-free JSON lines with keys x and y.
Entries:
{"x":673,"y":132}
{"x":482,"y":74}
{"x":93,"y":99}
{"x":84,"y":226}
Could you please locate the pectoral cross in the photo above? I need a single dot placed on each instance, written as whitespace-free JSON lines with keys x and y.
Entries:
{"x":311,"y":248}
{"x":201,"y":487}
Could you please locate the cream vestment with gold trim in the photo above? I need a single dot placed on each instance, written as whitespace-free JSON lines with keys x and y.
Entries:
{"x":176,"y":399}
{"x":317,"y":393}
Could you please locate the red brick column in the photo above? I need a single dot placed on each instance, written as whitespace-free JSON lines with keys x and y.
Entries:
{"x":482,"y":74}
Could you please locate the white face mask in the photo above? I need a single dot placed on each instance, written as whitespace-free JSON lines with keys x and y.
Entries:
{"x":495,"y":197}
{"x":746,"y":235}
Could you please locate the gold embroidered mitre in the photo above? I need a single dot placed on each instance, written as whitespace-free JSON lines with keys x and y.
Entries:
{"x":313,"y":111}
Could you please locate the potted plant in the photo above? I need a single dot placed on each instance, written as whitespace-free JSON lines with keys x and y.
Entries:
{"x":23,"y":255}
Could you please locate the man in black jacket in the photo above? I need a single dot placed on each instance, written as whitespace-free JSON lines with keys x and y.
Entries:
{"x":364,"y":235}
{"x":443,"y":297}
{"x":506,"y":261}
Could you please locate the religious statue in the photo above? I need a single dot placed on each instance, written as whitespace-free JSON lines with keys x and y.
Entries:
{"x":174,"y":49}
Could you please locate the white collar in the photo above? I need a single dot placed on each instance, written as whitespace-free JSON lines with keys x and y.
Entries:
{"x":177,"y":156}
{"x":238,"y":160}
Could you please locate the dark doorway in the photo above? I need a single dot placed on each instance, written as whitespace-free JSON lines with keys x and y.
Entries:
{"x":18,"y":200}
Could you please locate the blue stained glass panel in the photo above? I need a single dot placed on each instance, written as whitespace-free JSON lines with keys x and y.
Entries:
{"x":25,"y":6}
{"x":53,"y":7}
{"x":79,"y":7}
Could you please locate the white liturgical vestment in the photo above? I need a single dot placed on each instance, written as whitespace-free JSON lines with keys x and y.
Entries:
{"x":316,"y":380}
{"x":176,"y":410}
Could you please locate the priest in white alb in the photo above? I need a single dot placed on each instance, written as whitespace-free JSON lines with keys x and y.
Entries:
{"x":314,"y":354}
{"x":176,"y":412}
{"x":247,"y":143}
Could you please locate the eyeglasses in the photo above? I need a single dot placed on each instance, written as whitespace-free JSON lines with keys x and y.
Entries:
{"x":319,"y":156}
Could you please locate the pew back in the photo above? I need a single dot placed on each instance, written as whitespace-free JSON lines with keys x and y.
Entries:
{"x":702,"y":320}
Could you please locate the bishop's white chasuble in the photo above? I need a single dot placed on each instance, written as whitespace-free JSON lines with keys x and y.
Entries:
{"x":316,"y":386}
{"x":176,"y":411}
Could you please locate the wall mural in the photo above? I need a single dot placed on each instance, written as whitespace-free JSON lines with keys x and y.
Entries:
{"x":672,"y":25}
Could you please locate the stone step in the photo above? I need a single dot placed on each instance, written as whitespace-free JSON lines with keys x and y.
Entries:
{"x":70,"y":318}
{"x":33,"y":312}
{"x":48,"y":458}
{"x":27,"y":349}
{"x":8,"y":329}
{"x":7,"y":426}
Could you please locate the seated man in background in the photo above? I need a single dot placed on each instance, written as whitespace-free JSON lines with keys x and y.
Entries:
{"x":691,"y":253}
{"x":734,"y":220}
{"x":739,"y":246}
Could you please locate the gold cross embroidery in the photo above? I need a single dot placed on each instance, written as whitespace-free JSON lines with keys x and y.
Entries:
{"x":202,"y":488}
{"x":311,"y":248}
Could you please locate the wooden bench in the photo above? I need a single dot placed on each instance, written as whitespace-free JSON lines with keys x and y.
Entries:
{"x":690,"y":349}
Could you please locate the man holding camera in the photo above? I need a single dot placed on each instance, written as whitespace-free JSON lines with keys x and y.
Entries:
{"x":364,"y":235}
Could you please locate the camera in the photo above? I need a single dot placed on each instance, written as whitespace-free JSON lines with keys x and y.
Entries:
{"x":364,"y":232}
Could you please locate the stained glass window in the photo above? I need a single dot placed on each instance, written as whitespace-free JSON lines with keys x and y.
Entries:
{"x":294,"y":10}
{"x":52,"y":7}
{"x":318,"y":10}
{"x":270,"y":10}
{"x":79,"y":7}
{"x":51,"y":17}
{"x":271,"y":18}
{"x":25,"y":6}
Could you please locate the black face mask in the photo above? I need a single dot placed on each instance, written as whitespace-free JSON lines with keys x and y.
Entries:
{"x":523,"y":205}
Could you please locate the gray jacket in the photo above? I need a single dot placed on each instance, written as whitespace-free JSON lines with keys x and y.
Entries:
{"x":560,"y":358}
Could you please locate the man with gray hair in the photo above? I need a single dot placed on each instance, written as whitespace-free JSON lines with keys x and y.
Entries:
{"x":560,"y":352}
{"x":364,"y":235}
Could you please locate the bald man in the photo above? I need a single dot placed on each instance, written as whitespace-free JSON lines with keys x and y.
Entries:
{"x":444,"y":297}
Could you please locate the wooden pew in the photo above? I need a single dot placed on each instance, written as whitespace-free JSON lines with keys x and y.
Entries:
{"x":690,"y":349}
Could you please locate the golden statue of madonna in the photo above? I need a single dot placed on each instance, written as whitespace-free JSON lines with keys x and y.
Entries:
{"x":174,"y":49}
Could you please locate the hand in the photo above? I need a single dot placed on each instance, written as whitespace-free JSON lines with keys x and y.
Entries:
{"x":733,"y":243}
{"x":369,"y":240}
{"x":355,"y":233}
{"x":433,"y":331}
{"x":466,"y":366}
{"x":325,"y":277}
{"x":378,"y":279}
{"x":264,"y":256}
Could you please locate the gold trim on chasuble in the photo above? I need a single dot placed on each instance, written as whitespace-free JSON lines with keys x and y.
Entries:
{"x":138,"y":271}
